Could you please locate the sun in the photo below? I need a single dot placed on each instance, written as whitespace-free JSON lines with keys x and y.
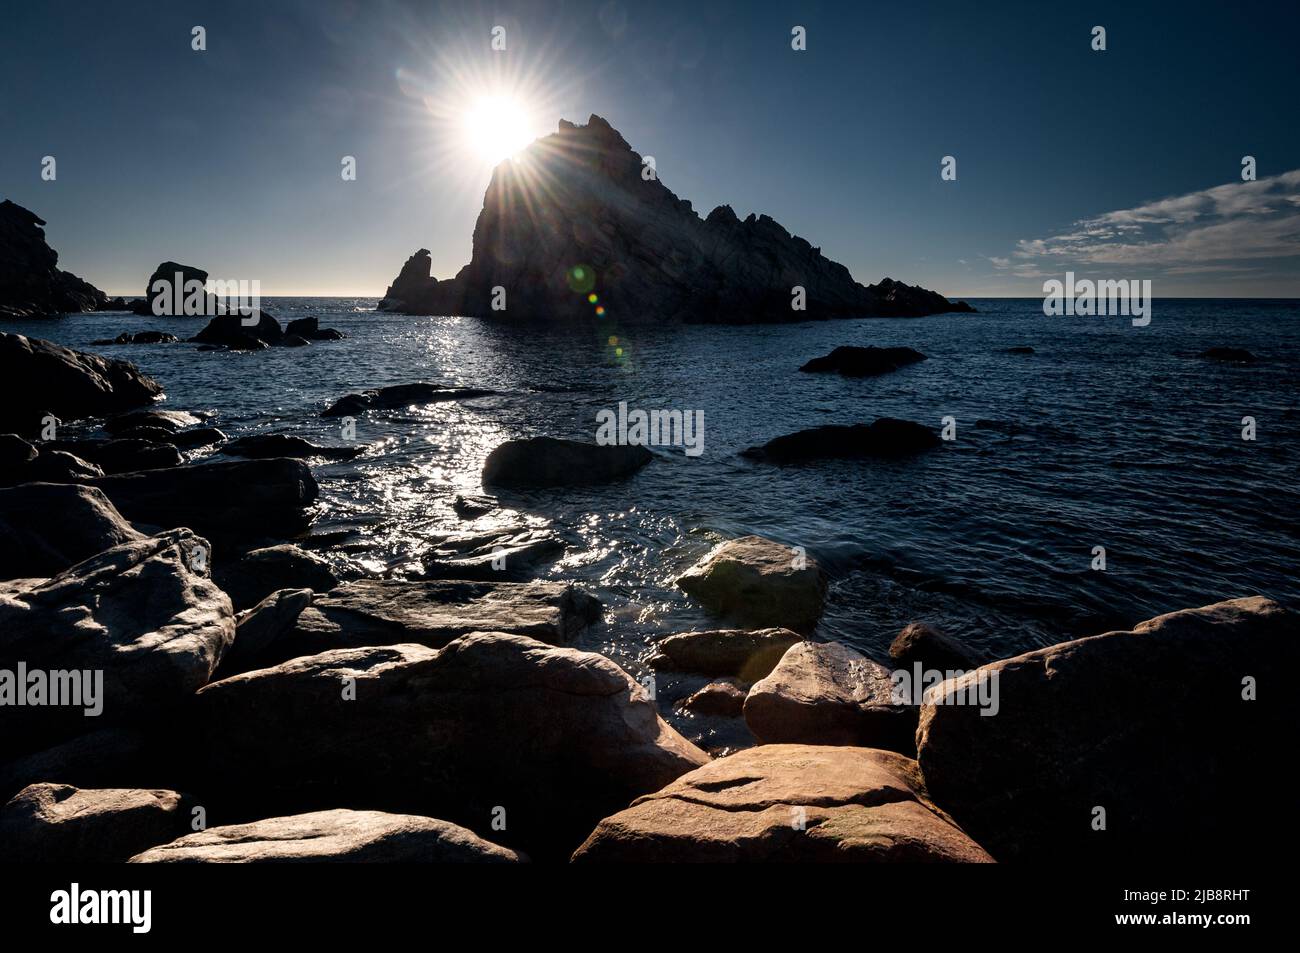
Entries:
{"x":497,"y":127}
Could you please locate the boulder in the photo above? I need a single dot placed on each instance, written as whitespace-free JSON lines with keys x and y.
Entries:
{"x":760,"y":583}
{"x":725,"y":697}
{"x":864,"y":361}
{"x":470,"y":507}
{"x":1165,"y":728}
{"x":829,"y":694}
{"x":255,"y":575}
{"x":554,"y":737}
{"x":241,"y":332}
{"x":160,"y":301}
{"x":548,"y":461}
{"x":257,"y":630}
{"x":499,"y":554}
{"x":925,"y":645}
{"x":31,"y":284}
{"x":50,"y":527}
{"x":337,"y":836}
{"x":124,"y":454}
{"x":137,"y":618}
{"x":39,"y":379}
{"x":400,"y":396}
{"x":263,"y":446}
{"x":791,"y":803}
{"x":886,"y":438}
{"x":388,"y":611}
{"x":602,"y":227}
{"x":172,"y":421}
{"x":229,"y":502}
{"x":61,"y":824}
{"x":749,"y":654}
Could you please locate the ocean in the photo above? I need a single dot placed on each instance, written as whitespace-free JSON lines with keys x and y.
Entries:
{"x":1107,"y":435}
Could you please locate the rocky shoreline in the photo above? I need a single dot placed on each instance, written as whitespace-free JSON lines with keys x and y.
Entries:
{"x":254,"y":705}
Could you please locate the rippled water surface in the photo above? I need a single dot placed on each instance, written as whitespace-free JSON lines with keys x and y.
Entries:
{"x":1108,"y":435}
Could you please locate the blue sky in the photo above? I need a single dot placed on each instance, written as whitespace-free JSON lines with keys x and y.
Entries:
{"x":1124,"y":163}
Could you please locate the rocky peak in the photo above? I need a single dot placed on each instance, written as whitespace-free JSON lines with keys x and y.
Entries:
{"x":31,"y":284}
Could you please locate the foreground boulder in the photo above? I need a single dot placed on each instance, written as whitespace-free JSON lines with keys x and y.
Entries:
{"x":338,"y":836}
{"x":255,"y":575}
{"x":549,"y":461}
{"x":748,"y":654}
{"x":1164,"y":728}
{"x":793,"y":803}
{"x":39,"y":379}
{"x":388,"y":611}
{"x":602,"y":226}
{"x":759,"y":582}
{"x":137,"y":621}
{"x":400,"y":396}
{"x":553,"y":737}
{"x":61,"y":824}
{"x":863,"y":361}
{"x":31,"y":284}
{"x":49,"y":527}
{"x":228,"y":502}
{"x":829,"y":694}
{"x":885,"y":438}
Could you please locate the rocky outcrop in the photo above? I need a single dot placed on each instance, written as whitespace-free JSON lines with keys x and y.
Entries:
{"x":39,"y":379}
{"x":748,"y":654}
{"x":162,"y":302}
{"x":603,"y":225}
{"x":793,"y":803}
{"x":140,"y":337}
{"x":388,"y":611}
{"x":1127,"y":745}
{"x":241,"y":332}
{"x":256,"y":574}
{"x":265,"y":445}
{"x":829,"y":694}
{"x":491,"y":726}
{"x":31,"y":284}
{"x":310,"y":329}
{"x":61,"y":824}
{"x":760,"y":583}
{"x":229,"y":502}
{"x":400,"y":396}
{"x":886,"y":438}
{"x":548,"y":461}
{"x":863,"y":361}
{"x":49,"y":527}
{"x":338,"y":836}
{"x":140,"y":613}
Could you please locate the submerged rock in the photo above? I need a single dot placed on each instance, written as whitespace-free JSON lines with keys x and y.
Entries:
{"x":793,"y":803}
{"x":1020,"y":349}
{"x":499,"y":554}
{"x":725,"y":697}
{"x":310,"y":329}
{"x":759,"y":583}
{"x":829,"y":694}
{"x":61,"y":824}
{"x":470,"y":507}
{"x":746,"y":653}
{"x":49,"y":527}
{"x":40,"y":379}
{"x":31,"y":284}
{"x":264,"y":445}
{"x":337,"y":836}
{"x":1236,"y":355}
{"x":886,"y":437}
{"x":172,"y":421}
{"x":602,"y":226}
{"x":1159,"y":727}
{"x":864,"y":361}
{"x":139,"y":613}
{"x":555,"y":737}
{"x":399,"y":396}
{"x":549,"y":461}
{"x":140,"y":337}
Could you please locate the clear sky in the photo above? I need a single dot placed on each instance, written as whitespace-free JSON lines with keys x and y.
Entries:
{"x":1121,"y":164}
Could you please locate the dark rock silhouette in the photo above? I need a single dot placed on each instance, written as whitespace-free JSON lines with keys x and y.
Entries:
{"x":578,"y":213}
{"x":1236,"y":355}
{"x":262,"y":446}
{"x":40,"y":379}
{"x":398,"y":396}
{"x":886,"y":437}
{"x":167,"y":271}
{"x":864,"y":361}
{"x":241,"y":332}
{"x":140,"y":337}
{"x":550,"y":461}
{"x":310,"y":329}
{"x":31,"y":284}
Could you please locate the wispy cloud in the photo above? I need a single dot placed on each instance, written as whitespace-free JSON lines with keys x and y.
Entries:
{"x":1210,"y":230}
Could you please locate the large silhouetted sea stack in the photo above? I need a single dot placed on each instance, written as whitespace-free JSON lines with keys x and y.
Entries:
{"x":31,"y":284}
{"x":577,"y":213}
